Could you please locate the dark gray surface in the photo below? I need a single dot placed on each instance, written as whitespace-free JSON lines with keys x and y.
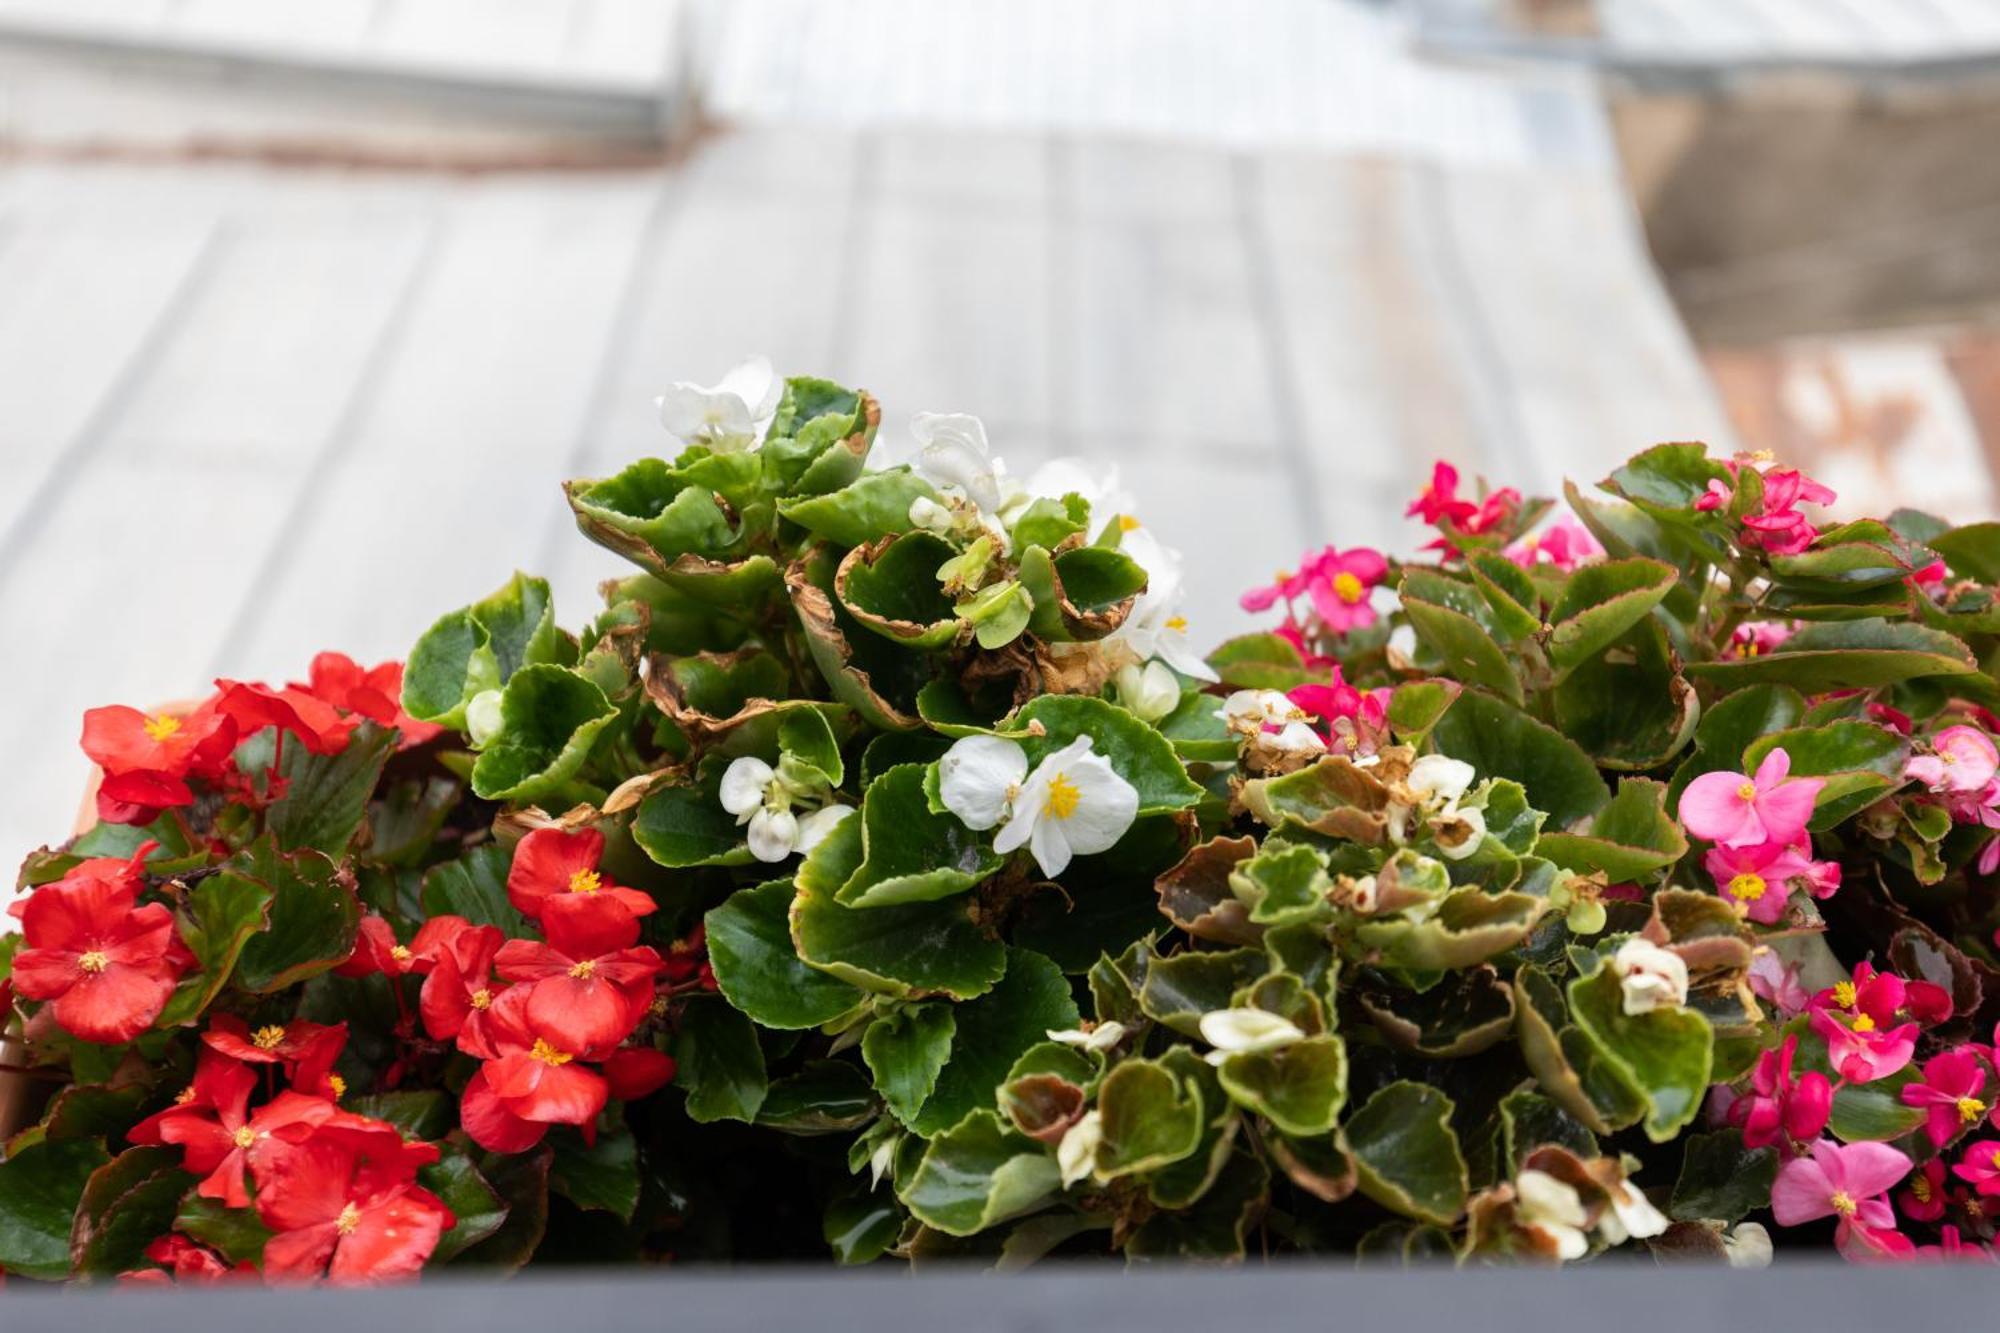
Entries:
{"x":1604,"y":1299}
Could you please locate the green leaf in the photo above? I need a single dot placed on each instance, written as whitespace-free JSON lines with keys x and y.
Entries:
{"x":326,"y":795}
{"x":1721,"y":1179}
{"x":1416,"y":706}
{"x":237,"y":1234}
{"x":759,"y":970}
{"x":1468,"y":926}
{"x":1500,"y":741}
{"x":1151,"y":1119}
{"x":874,"y":506}
{"x":1048,"y":521}
{"x":653,"y":514}
{"x":478,"y":649}
{"x":1282,"y":885}
{"x":1405,"y":1154}
{"x":718,"y":1063}
{"x":1179,"y":989}
{"x":978,"y":1174}
{"x":1668,"y":477}
{"x":604,"y":1175}
{"x":1510,"y":594}
{"x":1600,"y":603}
{"x":868,"y":673}
{"x":1665,"y":1053}
{"x":550,"y":718}
{"x":1729,"y":726}
{"x":1196,"y":730}
{"x":1138,"y":752}
{"x":806,"y":744}
{"x":522,"y":1182}
{"x":1259,"y":662}
{"x":314,"y":918}
{"x":1972,"y":551}
{"x":218,"y":918}
{"x":823,"y":1097}
{"x":92,"y":1111}
{"x":1466,"y":1013}
{"x":1630,"y":837}
{"x":1030,"y":999}
{"x":686,"y":826}
{"x":926,"y":946}
{"x":1853,"y":654}
{"x":911,"y":854}
{"x":894,"y":591}
{"x":40,"y":1188}
{"x":906,"y":1051}
{"x":475,"y":887}
{"x":1217,"y":1227}
{"x":426,"y":1114}
{"x":476,"y":1207}
{"x":126,"y":1205}
{"x":1299,"y":1088}
{"x":1464,"y":645}
{"x":1627,"y":706}
{"x":1528,"y":1120}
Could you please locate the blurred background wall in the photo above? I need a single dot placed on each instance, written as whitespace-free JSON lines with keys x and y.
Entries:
{"x":306,"y":308}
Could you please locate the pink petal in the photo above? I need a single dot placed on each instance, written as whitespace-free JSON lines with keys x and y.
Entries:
{"x":1777,"y":766}
{"x":1710,"y":808}
{"x":1784,"y":810}
{"x":1869,"y":1169}
{"x":1802,"y":1193}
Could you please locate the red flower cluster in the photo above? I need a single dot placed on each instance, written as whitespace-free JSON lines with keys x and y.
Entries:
{"x":149,"y":761}
{"x":108,"y":963}
{"x":338,"y":1190}
{"x":1440,"y":505}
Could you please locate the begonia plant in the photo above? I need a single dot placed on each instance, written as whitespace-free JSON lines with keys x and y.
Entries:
{"x":881,"y":873}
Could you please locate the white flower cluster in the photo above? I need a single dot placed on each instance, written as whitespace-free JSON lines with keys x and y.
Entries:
{"x":762,"y":797}
{"x":1074,"y":801}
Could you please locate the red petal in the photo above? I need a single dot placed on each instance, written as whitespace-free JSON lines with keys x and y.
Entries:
{"x":632,"y":1072}
{"x":114,"y":1005}
{"x":546,"y":860}
{"x":492,"y":1126}
{"x":392,"y":1240}
{"x":580,"y":1014}
{"x":589,"y":925}
{"x":568,"y":1094}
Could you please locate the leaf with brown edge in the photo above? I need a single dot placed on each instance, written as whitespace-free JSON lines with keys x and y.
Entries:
{"x":1318,"y":1165}
{"x":891,"y":587}
{"x":1465,"y":1014}
{"x":1195,"y":894}
{"x":1330,"y":796}
{"x":857,"y":676}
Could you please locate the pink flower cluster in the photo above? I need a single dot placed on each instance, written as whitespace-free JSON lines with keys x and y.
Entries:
{"x":1337,"y":586}
{"x":1563,"y":543}
{"x":1775,"y":525}
{"x":1356,"y":721}
{"x":1958,"y":772}
{"x":1440,"y":503}
{"x":1758,"y":826}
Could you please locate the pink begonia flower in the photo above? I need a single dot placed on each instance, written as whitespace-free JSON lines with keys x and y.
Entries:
{"x":1775,"y":981}
{"x":1894,"y":719}
{"x":1930,"y":576}
{"x":1884,"y":997}
{"x":1845,"y":1181}
{"x":1356,"y":720}
{"x":1340,"y":585}
{"x":1777,"y":526}
{"x":1923,"y":1200}
{"x":1739,"y":811}
{"x":1757,"y":881}
{"x":1564,"y":543}
{"x":1755,"y":638}
{"x":1962,"y":760}
{"x":1949,"y":1094}
{"x":1286,"y":584}
{"x":1953,"y":1248}
{"x":1861,"y":1052}
{"x":1980,"y":1166}
{"x":1778,"y":1110}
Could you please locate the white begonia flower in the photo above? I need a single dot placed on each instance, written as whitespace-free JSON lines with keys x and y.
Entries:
{"x":814,"y":828}
{"x":1099,"y":487}
{"x":1296,"y":738}
{"x":954,"y":457}
{"x":1631,"y":1215}
{"x":483,"y":719}
{"x":1553,"y":1208}
{"x":724,"y":416}
{"x":754,"y":792}
{"x":929,"y":515}
{"x":1155,"y":627}
{"x":1100,"y":1038}
{"x":1248,"y":712}
{"x":1151,"y":691}
{"x":1440,"y":780}
{"x":1074,"y":802}
{"x":1235,"y":1031}
{"x":1076,"y":1155}
{"x":1747,"y":1245}
{"x":1650,"y":977}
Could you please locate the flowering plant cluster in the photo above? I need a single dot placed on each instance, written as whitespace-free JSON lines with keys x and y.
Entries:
{"x":880,"y":872}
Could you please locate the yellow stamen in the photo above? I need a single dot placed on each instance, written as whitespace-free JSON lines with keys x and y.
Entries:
{"x":244,"y":1137}
{"x":585,"y":881}
{"x":1970,"y":1109}
{"x":1062,"y":798}
{"x":1747,"y":792}
{"x":1920,"y":1189}
{"x":1844,"y":1204}
{"x":184,"y":1096}
{"x":1282,"y":576}
{"x":1177,"y":623}
{"x":267,"y":1038}
{"x":1348,"y":588}
{"x":1747,"y":887}
{"x":1126,"y":523}
{"x":1843,"y":994}
{"x":583,"y":970}
{"x":160,"y":726}
{"x":549,"y":1055}
{"x":481,"y":998}
{"x":1863,"y":1023}
{"x":337,"y":1085}
{"x":400,"y":953}
{"x":350,"y":1218}
{"x":93,"y":961}
{"x":1762,"y":456}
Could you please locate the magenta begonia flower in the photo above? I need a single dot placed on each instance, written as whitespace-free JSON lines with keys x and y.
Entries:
{"x":1860,"y":1051}
{"x":1949,"y":1094}
{"x":1980,"y":1166}
{"x":1778,"y":1109}
{"x":1340,"y":583}
{"x":1847,"y":1182}
{"x":1963,"y":759}
{"x":1757,"y":880}
{"x":1736,"y":810}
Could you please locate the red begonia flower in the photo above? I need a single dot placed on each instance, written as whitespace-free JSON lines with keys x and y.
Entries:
{"x":346,"y":1206}
{"x":632,"y":1072}
{"x":375,"y":694}
{"x":108,"y":964}
{"x":460,"y":987}
{"x":590,"y":985}
{"x":225,"y":1139}
{"x":318,"y":724}
{"x":182,"y":1260}
{"x":376,"y":948}
{"x":550,"y":864}
{"x":1439,"y":500}
{"x":532,"y":1078}
{"x":123,"y":740}
{"x":306,"y":1050}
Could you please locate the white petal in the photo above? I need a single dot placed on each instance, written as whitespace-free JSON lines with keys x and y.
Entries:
{"x":483,"y":719}
{"x":773,"y":834}
{"x":1748,"y":1245}
{"x":1476,"y":820}
{"x":1546,"y":1199}
{"x":1150,"y":692}
{"x":814,"y":828}
{"x":755,"y":385}
{"x":882,"y":1159}
{"x":975,"y":776}
{"x":1650,"y":977}
{"x":744,"y":783}
{"x":1174,"y":647}
{"x":955,"y":453}
{"x":1440,"y":778}
{"x":1076,"y":1155}
{"x":1106,"y":804}
{"x":928,"y":514}
{"x":1100,"y":1038}
{"x":1297,"y":738}
{"x":1235,"y":1030}
{"x":1049,"y":845}
{"x":1635,"y":1212}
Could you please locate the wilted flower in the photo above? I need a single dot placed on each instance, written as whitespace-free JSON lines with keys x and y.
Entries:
{"x":1650,"y":977}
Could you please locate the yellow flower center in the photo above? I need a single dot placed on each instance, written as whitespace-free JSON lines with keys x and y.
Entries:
{"x":1062,"y":798}
{"x":160,"y":726}
{"x":585,"y":881}
{"x":1282,"y":576}
{"x":1920,"y":1189}
{"x":1970,"y":1109}
{"x":184,"y":1096}
{"x":1348,"y":588}
{"x":1749,"y":648}
{"x":1747,"y":887}
{"x":244,"y":1137}
{"x":1863,"y":1023}
{"x":1947,"y":757}
{"x":1843,"y":994}
{"x":1844,"y":1204}
{"x":1747,"y":792}
{"x":1762,"y":456}
{"x":549,"y":1055}
{"x":93,"y":961}
{"x":350,"y":1218}
{"x":481,"y":998}
{"x":267,"y":1038}
{"x":400,"y":953}
{"x":1126,"y":523}
{"x":337,"y":1085}
{"x":584,"y":970}
{"x":1177,"y":623}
